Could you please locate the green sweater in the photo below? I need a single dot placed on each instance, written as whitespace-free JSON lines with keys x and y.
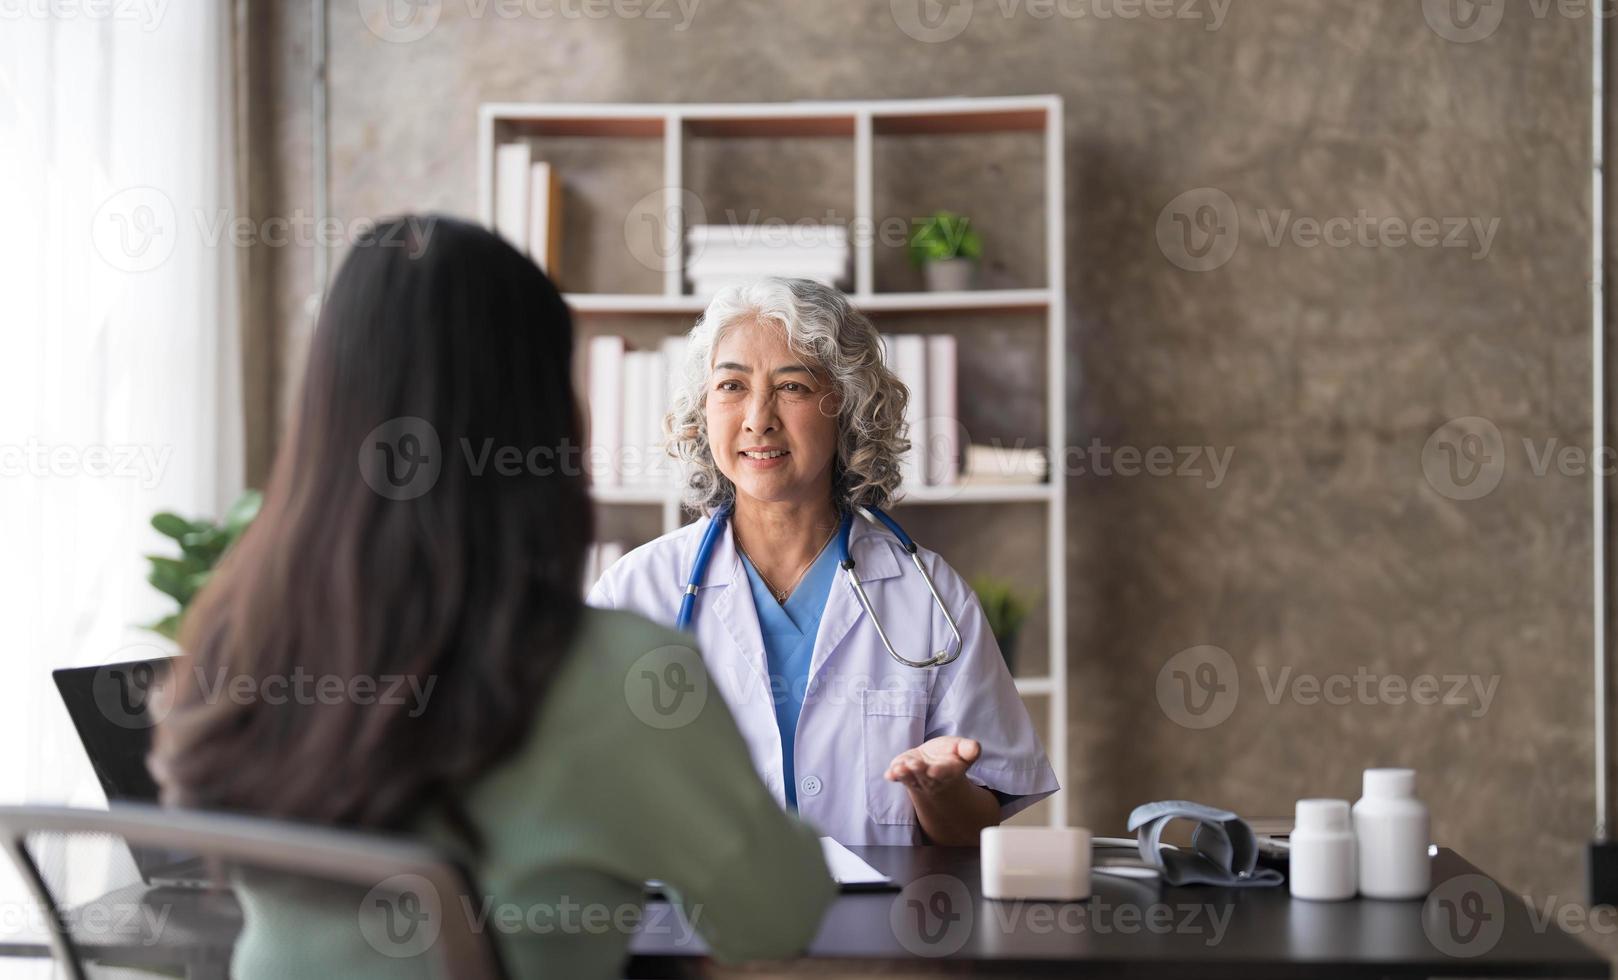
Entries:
{"x":621,"y":780}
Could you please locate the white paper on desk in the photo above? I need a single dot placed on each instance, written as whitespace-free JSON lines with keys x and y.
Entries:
{"x":846,"y":869}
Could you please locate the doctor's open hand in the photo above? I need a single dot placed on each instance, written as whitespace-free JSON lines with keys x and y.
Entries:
{"x":951,"y":809}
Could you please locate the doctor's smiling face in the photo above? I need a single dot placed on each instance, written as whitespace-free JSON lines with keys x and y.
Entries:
{"x":771,"y":417}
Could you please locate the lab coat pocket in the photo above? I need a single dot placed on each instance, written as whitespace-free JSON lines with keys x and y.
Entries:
{"x":895,"y":720}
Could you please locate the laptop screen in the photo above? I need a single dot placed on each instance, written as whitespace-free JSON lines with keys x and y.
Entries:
{"x":110,"y":708}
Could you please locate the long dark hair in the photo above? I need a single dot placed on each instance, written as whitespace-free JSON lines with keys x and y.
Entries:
{"x":399,"y":544}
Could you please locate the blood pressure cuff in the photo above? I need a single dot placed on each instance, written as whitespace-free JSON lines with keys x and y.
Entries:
{"x":1223,"y":850}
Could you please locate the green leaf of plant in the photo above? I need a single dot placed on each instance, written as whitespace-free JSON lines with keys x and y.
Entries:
{"x":242,"y":513}
{"x":171,"y":525}
{"x":168,"y":626}
{"x":205,"y":546}
{"x":172,"y":578}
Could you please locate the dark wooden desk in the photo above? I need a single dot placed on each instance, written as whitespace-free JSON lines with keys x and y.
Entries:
{"x":1469,"y":926}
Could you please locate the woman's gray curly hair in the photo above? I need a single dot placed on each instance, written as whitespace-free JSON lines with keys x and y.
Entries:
{"x":827,"y":331}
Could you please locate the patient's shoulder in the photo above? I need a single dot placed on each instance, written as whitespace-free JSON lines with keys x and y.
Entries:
{"x":620,"y":635}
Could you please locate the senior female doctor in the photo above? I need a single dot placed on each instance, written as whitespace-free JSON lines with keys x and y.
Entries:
{"x":786,"y":421}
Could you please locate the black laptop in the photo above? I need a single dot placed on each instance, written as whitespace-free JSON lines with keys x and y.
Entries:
{"x":112,"y":709}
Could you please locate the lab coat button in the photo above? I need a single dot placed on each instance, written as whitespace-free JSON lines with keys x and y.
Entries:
{"x":810,"y":786}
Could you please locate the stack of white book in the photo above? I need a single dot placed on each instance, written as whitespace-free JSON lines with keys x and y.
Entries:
{"x":1001,"y":466}
{"x":725,"y":255}
{"x":528,"y":205}
{"x":630,"y":394}
{"x":927,"y":366}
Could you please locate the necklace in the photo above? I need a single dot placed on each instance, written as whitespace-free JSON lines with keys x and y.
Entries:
{"x":782,"y":595}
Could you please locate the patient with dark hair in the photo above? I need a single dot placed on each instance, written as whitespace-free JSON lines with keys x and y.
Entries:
{"x":527,"y":734}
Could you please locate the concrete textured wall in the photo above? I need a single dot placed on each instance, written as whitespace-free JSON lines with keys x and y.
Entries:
{"x":1327,"y":548}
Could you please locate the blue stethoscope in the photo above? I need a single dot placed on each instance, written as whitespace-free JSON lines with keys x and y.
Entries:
{"x":699,"y":571}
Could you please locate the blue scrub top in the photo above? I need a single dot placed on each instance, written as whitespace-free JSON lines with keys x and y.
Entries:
{"x":789,"y":644}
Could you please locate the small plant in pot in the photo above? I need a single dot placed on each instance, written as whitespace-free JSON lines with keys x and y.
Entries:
{"x":947,"y":249}
{"x":202,"y":543}
{"x":1006,"y":612}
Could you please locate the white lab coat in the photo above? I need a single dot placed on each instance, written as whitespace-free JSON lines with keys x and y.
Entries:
{"x":862,"y":707}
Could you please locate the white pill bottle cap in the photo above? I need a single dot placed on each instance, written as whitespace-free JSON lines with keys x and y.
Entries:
{"x":1321,"y":815}
{"x":1389,"y":784}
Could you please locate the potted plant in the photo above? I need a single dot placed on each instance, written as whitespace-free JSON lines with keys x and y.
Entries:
{"x":1006,"y":612}
{"x":202,"y":543}
{"x":947,"y":249}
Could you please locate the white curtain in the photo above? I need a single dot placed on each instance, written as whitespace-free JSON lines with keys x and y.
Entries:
{"x":119,"y":351}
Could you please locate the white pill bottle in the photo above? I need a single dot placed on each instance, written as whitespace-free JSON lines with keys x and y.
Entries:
{"x":1322,"y":865}
{"x":1391,"y":831}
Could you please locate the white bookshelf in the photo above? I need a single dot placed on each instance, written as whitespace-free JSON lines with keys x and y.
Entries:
{"x":861,"y":122}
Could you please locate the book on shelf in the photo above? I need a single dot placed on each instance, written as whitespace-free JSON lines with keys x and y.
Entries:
{"x":943,"y":418}
{"x":630,"y":394}
{"x":513,"y":166}
{"x":909,"y":362}
{"x":606,"y":372}
{"x":528,"y":205}
{"x":545,"y":219}
{"x":1004,"y":466}
{"x":928,"y":366}
{"x":724,"y":255}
